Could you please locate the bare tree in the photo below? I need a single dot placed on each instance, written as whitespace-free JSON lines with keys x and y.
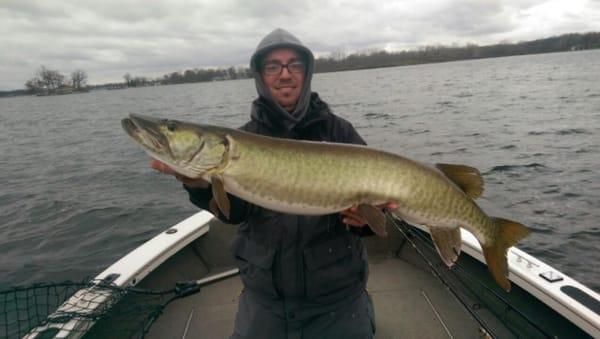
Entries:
{"x":231,"y":73}
{"x":33,"y":85}
{"x":46,"y":80}
{"x":79,"y":79}
{"x":50,"y":79}
{"x":127,"y":78}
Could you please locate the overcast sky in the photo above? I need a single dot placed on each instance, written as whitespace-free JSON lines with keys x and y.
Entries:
{"x":108,"y":38}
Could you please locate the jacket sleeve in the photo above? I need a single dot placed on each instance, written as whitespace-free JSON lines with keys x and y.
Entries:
{"x":239,"y":208}
{"x":353,"y":137}
{"x":344,"y":132}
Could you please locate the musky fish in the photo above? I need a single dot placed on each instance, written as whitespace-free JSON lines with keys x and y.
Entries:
{"x":312,"y":178}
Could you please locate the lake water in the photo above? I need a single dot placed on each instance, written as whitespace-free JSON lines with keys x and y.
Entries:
{"x":77,"y":194}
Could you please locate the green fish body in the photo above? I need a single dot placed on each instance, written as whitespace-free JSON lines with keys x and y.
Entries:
{"x":315,"y":178}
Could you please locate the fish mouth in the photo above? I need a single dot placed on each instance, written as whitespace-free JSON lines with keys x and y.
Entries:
{"x":145,"y":131}
{"x":130,"y":127}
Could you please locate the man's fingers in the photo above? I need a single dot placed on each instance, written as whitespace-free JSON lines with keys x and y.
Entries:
{"x":161,"y":167}
{"x":354,"y":222}
{"x":350,"y":217}
{"x":389,"y":205}
{"x":353,"y":219}
{"x":154,"y":163}
{"x":157,"y":165}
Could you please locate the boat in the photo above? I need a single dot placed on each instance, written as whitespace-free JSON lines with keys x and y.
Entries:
{"x":189,"y":270}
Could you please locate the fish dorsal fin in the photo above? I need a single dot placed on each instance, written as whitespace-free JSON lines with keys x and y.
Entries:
{"x":466,"y":178}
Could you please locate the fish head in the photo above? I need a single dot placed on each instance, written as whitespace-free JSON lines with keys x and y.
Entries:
{"x":189,"y":149}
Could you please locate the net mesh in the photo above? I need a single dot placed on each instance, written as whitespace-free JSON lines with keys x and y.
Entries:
{"x":89,"y":309}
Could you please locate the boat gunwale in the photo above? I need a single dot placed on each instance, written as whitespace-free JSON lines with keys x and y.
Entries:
{"x":529,"y":280}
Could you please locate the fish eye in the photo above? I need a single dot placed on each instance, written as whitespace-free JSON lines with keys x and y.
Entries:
{"x":171,"y":125}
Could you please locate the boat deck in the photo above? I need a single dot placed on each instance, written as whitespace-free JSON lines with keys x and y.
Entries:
{"x":408,"y":304}
{"x":409,"y":301}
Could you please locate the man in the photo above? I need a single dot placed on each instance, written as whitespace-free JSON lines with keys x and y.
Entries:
{"x":303,"y":276}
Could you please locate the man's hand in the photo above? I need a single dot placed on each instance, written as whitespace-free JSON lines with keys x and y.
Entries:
{"x":189,"y":182}
{"x":352,"y":218}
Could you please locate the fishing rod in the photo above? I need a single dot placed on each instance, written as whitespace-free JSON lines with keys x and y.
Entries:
{"x":404,"y":228}
{"x":435,"y":272}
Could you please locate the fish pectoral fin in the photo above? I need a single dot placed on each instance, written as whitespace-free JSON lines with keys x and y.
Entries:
{"x":374,"y":217}
{"x":448,"y":242}
{"x":212,"y":206}
{"x":219,"y":194}
{"x":466,"y":178}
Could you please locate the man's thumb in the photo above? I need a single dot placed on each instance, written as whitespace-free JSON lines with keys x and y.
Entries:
{"x":161,"y":167}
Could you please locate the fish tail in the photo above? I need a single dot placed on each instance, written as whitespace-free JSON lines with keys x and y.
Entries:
{"x":508,"y":234}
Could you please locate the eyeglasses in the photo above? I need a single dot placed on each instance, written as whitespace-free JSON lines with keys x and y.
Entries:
{"x":275,"y":68}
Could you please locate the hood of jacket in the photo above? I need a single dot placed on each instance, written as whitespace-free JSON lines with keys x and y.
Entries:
{"x":280,"y":38}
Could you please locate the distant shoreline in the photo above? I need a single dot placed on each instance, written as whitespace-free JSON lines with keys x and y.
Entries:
{"x":340,"y":62}
{"x":454,"y":60}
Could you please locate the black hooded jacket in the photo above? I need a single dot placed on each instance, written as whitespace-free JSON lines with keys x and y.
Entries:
{"x":313,"y":259}
{"x":282,"y":255}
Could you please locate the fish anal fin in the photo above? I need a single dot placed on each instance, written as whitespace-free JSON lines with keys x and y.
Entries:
{"x":508,"y":234}
{"x":375,"y":218}
{"x":448,"y":242}
{"x":219,"y":194}
{"x":466,"y":178}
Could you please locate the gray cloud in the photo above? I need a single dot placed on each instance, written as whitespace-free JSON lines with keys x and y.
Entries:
{"x":112,"y":37}
{"x":473,"y":18}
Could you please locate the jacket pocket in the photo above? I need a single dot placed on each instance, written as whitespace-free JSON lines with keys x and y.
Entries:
{"x":331,"y":267}
{"x":255,"y":262}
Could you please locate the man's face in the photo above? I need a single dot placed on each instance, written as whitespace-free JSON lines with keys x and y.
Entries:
{"x":285,"y":86}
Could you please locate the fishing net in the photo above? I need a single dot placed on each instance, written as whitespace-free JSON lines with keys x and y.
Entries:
{"x":89,"y":309}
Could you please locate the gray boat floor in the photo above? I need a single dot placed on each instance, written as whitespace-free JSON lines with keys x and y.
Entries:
{"x":409,"y":303}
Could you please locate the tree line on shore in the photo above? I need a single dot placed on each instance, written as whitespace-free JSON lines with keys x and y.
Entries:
{"x":380,"y":58}
{"x":190,"y":75}
{"x":49,"y":81}
{"x":432,"y":54}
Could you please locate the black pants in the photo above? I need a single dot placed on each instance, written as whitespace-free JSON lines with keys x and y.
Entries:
{"x":258,"y":317}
